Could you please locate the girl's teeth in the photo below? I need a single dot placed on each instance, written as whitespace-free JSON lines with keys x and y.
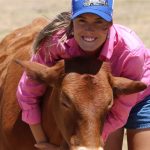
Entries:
{"x":88,"y":39}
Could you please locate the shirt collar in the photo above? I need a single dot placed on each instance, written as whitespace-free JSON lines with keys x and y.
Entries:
{"x":74,"y":47}
{"x":108,"y":47}
{"x":70,"y":42}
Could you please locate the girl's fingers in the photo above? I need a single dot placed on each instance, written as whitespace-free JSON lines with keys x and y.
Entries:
{"x":41,"y":145}
{"x":45,"y":146}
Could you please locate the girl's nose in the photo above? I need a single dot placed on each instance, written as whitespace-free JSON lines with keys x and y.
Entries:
{"x":89,"y":28}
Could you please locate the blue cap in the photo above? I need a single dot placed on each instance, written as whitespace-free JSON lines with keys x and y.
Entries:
{"x":102,"y":8}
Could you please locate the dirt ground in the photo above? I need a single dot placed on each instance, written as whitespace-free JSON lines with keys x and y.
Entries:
{"x":17,"y":13}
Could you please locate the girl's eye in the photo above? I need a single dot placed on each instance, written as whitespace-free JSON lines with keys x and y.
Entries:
{"x":98,"y":22}
{"x":81,"y":21}
{"x":104,"y":28}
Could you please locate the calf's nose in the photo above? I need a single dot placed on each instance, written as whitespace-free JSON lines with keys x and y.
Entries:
{"x":85,"y":148}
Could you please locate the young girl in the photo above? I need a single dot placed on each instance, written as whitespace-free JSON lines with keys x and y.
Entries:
{"x":89,"y":31}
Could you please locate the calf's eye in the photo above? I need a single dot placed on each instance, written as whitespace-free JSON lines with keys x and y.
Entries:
{"x":65,"y":104}
{"x":65,"y":101}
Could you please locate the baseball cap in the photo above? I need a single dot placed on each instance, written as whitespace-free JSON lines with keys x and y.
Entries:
{"x":102,"y":8}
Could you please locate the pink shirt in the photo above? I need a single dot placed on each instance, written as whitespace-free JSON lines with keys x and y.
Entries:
{"x":123,"y":49}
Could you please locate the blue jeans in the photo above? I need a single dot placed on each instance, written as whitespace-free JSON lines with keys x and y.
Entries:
{"x":139,"y":117}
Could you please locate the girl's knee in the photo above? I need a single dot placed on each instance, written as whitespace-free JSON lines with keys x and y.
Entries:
{"x":115,"y":140}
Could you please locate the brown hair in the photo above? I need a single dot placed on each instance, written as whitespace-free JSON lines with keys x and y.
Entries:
{"x":62,"y":21}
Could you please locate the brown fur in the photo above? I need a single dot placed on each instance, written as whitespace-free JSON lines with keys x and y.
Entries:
{"x":17,"y":44}
{"x":75,"y":104}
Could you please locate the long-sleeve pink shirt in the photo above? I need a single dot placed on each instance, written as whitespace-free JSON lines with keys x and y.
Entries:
{"x":125,"y":52}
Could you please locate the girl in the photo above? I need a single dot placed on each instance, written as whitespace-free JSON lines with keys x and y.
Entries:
{"x":89,"y":31}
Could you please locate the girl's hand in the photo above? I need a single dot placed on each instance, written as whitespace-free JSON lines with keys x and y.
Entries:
{"x":46,"y":146}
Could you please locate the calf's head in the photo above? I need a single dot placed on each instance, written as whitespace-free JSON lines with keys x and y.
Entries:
{"x":82,"y":95}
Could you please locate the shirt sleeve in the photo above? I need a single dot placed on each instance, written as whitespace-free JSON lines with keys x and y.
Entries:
{"x":29,"y":91}
{"x":132,"y":68}
{"x":28,"y":94}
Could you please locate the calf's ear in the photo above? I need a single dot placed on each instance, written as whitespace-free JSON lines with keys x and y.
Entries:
{"x":124,"y":86}
{"x":40,"y":72}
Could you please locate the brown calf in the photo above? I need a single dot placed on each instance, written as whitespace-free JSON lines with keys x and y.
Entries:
{"x":74,"y":108}
{"x":83,"y":92}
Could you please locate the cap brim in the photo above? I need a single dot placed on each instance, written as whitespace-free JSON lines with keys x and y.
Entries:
{"x":93,"y":11}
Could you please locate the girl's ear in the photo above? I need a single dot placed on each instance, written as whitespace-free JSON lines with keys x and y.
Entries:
{"x":39,"y":72}
{"x":124,"y":86}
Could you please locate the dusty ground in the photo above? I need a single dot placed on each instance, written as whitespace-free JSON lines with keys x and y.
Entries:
{"x":17,"y":13}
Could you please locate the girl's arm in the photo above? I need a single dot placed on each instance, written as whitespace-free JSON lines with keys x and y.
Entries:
{"x":41,"y":139}
{"x":28,"y":94}
{"x":38,"y":133}
{"x":118,"y":115}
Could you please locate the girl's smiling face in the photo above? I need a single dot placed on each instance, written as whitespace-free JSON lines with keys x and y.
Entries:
{"x":90,"y":31}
